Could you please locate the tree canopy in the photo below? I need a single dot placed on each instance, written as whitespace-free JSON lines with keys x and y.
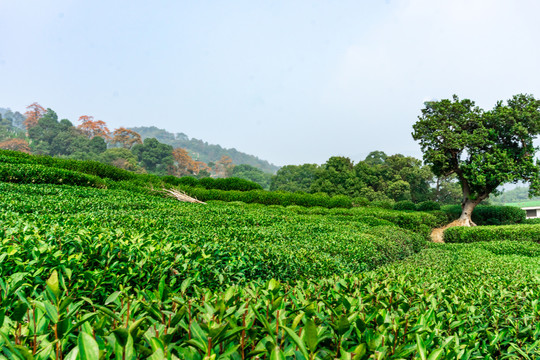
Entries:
{"x":484,"y":149}
{"x":154,"y":156}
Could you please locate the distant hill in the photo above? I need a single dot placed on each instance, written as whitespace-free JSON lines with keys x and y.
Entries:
{"x":203,"y":151}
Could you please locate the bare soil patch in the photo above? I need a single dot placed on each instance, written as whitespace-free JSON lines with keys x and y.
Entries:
{"x":437,"y":235}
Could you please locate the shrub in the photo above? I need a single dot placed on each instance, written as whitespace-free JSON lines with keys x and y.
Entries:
{"x":360,"y":201}
{"x":385,"y":204}
{"x":489,"y":215}
{"x":83,"y":166}
{"x":398,"y":243}
{"x":270,"y":197}
{"x":428,"y":206}
{"x":404,"y":205}
{"x":418,"y":222}
{"x":442,"y":217}
{"x":463,"y":234}
{"x":340,"y":201}
{"x":229,"y":184}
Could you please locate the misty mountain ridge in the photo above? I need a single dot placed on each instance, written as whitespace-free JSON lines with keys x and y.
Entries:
{"x":203,"y":151}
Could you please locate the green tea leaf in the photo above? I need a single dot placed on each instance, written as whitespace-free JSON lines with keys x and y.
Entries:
{"x":121,"y":335}
{"x":310,"y":335}
{"x":421,"y":347}
{"x":343,"y":325}
{"x":296,"y":339}
{"x":53,"y":285}
{"x":112,"y":297}
{"x":88,"y":347}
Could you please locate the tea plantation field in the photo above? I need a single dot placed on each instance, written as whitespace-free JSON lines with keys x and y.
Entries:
{"x":95,"y":273}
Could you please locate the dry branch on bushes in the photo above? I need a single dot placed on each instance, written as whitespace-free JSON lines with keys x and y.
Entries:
{"x":181,"y":196}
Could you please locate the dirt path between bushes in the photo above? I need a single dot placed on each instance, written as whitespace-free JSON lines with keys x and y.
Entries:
{"x":437,"y":235}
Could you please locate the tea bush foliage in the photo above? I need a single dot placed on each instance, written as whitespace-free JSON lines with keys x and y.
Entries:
{"x":17,"y":167}
{"x":38,"y":174}
{"x":428,"y":206}
{"x":404,"y":205}
{"x":226,"y":184}
{"x":492,"y":233}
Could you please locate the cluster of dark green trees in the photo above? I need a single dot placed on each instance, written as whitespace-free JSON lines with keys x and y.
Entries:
{"x":377,"y":178}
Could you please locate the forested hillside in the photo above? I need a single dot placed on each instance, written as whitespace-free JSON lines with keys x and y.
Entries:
{"x":40,"y":131}
{"x":203,"y":151}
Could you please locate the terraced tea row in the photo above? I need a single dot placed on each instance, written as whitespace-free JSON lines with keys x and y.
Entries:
{"x":93,"y":273}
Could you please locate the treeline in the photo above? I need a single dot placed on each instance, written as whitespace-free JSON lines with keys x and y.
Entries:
{"x":379,"y":178}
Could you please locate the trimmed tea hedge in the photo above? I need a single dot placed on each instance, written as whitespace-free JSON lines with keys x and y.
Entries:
{"x":84,"y":166}
{"x":107,"y":171}
{"x":226,"y":184}
{"x":405,"y":205}
{"x":271,"y":197}
{"x":109,"y":274}
{"x":428,"y":206}
{"x":38,"y":174}
{"x":531,"y":221}
{"x":461,"y":234}
{"x":489,"y":215}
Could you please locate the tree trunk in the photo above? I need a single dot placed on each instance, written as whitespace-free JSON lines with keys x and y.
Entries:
{"x":467,"y":208}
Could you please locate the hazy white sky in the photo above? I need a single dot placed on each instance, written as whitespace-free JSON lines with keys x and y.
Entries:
{"x":289,"y":81}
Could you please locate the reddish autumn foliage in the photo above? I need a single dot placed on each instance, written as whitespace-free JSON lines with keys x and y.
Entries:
{"x":184,"y":163}
{"x":92,"y":128}
{"x":126,"y":137}
{"x":33,"y":115}
{"x":224,"y":167}
{"x":15,"y":144}
{"x":201,"y":166}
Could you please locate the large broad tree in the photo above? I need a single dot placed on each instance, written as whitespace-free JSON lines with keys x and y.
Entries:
{"x":484,"y":149}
